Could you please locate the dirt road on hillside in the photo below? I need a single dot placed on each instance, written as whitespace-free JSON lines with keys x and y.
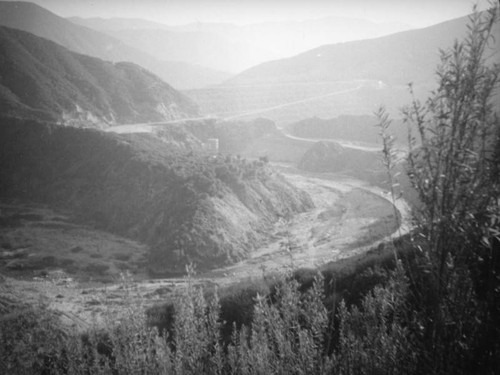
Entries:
{"x":347,"y":144}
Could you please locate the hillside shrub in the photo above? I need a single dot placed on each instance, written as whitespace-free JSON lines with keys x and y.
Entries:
{"x":436,"y":312}
{"x":289,"y":332}
{"x":30,"y":340}
{"x":454,"y":169}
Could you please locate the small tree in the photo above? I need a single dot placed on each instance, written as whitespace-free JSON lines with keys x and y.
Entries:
{"x":453,"y":167}
{"x":453,"y":164}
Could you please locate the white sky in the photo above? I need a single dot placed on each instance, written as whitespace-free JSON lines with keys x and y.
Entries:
{"x":418,"y":13}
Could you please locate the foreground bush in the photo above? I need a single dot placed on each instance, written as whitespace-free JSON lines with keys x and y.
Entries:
{"x":289,"y":334}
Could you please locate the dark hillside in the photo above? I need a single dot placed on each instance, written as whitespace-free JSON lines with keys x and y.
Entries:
{"x":186,"y":206}
{"x":38,"y":76}
{"x":43,"y":23}
{"x":39,"y":21}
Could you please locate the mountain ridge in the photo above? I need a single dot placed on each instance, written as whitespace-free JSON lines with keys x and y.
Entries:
{"x":39,"y":21}
{"x":352,"y":78}
{"x":407,"y":56}
{"x":231,"y":47}
{"x":39,"y":78}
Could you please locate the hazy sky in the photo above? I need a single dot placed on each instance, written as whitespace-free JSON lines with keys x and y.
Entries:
{"x":418,"y":13}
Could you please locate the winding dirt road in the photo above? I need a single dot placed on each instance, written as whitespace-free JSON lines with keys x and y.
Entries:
{"x":344,"y":143}
{"x":290,"y":104}
{"x":149,"y":127}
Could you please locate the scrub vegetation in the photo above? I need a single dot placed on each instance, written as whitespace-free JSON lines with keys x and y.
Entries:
{"x":433,"y":307}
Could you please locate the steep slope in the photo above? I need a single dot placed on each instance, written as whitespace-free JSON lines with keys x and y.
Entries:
{"x":186,"y":206}
{"x":39,"y":78}
{"x":409,"y":56}
{"x":41,"y":22}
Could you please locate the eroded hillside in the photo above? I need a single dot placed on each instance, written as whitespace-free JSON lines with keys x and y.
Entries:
{"x":188,"y":206}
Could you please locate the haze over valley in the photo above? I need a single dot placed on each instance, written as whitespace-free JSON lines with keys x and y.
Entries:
{"x":176,"y":151}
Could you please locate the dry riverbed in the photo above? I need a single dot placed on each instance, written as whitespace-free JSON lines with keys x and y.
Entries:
{"x":349,"y":218}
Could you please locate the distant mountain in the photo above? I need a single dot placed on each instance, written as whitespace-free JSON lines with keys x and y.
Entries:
{"x":117,"y":24}
{"x":41,"y":22}
{"x":409,"y":56}
{"x":231,"y":47}
{"x":206,"y":49}
{"x":352,"y":78}
{"x":40,"y":79}
{"x":223,"y":47}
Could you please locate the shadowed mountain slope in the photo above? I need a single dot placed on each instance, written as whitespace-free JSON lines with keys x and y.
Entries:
{"x":39,"y":78}
{"x":43,"y":23}
{"x":186,"y":205}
